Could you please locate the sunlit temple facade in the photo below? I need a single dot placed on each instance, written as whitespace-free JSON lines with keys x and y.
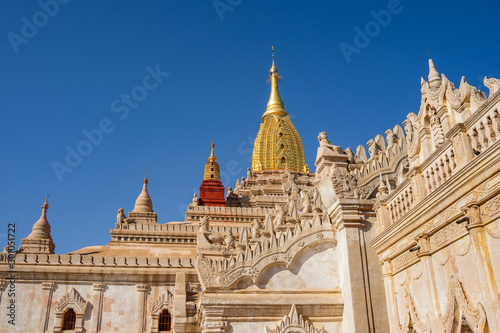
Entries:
{"x":403,"y":236}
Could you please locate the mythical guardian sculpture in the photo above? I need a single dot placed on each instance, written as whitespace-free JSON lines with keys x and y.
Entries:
{"x":324,"y":142}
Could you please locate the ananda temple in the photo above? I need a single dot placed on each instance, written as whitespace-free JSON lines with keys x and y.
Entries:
{"x":400,"y":236}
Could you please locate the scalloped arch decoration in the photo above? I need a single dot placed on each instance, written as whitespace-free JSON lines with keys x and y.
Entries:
{"x":214,"y":275}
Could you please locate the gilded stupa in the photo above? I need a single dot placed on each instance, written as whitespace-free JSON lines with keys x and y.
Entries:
{"x":278,"y":144}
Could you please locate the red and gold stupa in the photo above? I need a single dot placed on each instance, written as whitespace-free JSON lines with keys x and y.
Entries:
{"x":211,"y":189}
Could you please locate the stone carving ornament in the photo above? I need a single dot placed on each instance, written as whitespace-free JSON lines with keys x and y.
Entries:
{"x":351,"y":158}
{"x":457,"y":97}
{"x":121,"y":217}
{"x":72,"y":300}
{"x":324,"y":142}
{"x":413,"y":323}
{"x":437,"y":130}
{"x":411,"y":129}
{"x":346,"y":186}
{"x":460,"y":307}
{"x":492,"y":84}
{"x":294,"y":323}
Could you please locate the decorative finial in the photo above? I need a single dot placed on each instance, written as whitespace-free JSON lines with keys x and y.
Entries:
{"x":145,"y":181}
{"x":212,"y":156}
{"x":275,"y":104}
{"x":388,"y":184}
{"x":433,"y":77}
{"x":46,"y":203}
{"x":382,"y":188}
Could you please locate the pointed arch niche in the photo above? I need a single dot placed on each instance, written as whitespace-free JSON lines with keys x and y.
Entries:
{"x":71,"y":303}
{"x":156,"y":308}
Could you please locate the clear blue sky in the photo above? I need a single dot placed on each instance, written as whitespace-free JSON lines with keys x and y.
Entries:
{"x":67,"y":72}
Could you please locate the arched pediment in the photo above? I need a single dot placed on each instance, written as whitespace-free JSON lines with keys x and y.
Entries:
{"x":294,"y":323}
{"x":164,"y":301}
{"x":225,"y":273}
{"x":315,"y":267}
{"x":71,"y":300}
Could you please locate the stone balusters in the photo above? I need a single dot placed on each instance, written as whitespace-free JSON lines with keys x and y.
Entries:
{"x":485,"y":131}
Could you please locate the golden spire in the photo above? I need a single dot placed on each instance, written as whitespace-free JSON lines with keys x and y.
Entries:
{"x":212,"y":157}
{"x":275,"y":105}
{"x":212,"y":168}
{"x":278,"y":145}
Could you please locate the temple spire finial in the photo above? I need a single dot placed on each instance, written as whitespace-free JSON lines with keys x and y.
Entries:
{"x":145,"y":181}
{"x":46,"y":203}
{"x":275,"y":105}
{"x":212,"y":157}
{"x":273,"y":67}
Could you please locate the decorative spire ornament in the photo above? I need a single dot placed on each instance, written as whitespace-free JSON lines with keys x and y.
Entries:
{"x":275,"y":105}
{"x":434,"y":77}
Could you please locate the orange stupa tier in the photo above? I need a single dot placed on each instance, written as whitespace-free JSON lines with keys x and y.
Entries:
{"x":211,"y":189}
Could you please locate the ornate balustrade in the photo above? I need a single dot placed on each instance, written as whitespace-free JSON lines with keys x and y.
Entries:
{"x":439,"y":167}
{"x":485,"y":130}
{"x":400,"y":201}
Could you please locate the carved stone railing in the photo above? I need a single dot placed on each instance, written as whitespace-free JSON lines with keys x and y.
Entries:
{"x":206,"y":209}
{"x":400,"y":201}
{"x":439,"y":167}
{"x":157,"y":227}
{"x":232,"y":214}
{"x":485,"y":130}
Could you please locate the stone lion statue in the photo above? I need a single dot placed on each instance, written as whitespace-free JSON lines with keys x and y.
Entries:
{"x":324,"y":142}
{"x":121,"y":217}
{"x":256,"y":228}
{"x":229,"y":240}
{"x":351,"y":158}
{"x":212,"y":237}
{"x":204,"y":224}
